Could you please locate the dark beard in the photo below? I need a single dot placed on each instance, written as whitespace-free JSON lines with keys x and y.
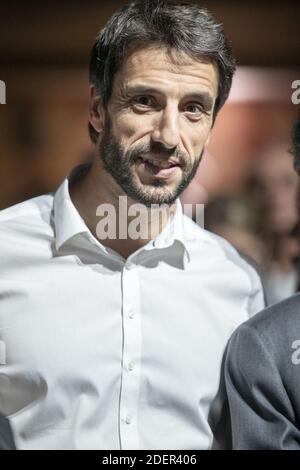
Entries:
{"x":120,"y":165}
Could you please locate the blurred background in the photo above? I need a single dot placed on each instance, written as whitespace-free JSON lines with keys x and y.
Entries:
{"x":246,"y":178}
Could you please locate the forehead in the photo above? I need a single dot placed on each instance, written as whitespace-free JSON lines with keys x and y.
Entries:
{"x":169,"y":71}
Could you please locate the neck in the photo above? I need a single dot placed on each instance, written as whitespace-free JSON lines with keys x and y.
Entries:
{"x":119,"y":224}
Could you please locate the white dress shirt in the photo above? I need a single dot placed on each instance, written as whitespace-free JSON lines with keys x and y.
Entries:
{"x":103,"y":352}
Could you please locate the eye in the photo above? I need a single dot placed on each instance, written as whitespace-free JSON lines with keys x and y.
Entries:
{"x":143,"y":101}
{"x":194,"y":108}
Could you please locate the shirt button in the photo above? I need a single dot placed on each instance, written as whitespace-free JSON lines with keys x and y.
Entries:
{"x":128,"y":419}
{"x":131,"y":365}
{"x":131,"y":314}
{"x":129,"y":265}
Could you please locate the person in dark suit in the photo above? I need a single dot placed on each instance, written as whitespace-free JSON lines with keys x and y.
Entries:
{"x":262,"y":371}
{"x":6,"y":436}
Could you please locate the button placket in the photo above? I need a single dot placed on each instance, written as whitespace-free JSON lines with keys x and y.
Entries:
{"x":131,"y":358}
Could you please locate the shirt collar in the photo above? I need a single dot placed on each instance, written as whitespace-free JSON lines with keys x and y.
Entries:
{"x":174,"y":230}
{"x":69,"y":223}
{"x":67,"y":219}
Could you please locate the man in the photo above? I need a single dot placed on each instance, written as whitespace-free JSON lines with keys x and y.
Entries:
{"x":262,"y":371}
{"x":274,"y":187}
{"x":116,"y":342}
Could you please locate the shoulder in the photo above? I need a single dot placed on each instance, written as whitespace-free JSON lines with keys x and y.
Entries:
{"x":222,"y":249}
{"x":33,"y":207}
{"x":278,"y":320}
{"x":270,"y":333}
{"x":194,"y":232}
{"x":25,"y":223}
{"x":29,"y":216}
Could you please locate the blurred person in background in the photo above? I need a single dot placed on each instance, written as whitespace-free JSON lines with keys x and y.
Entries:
{"x":263,"y":392}
{"x":274,"y":188}
{"x":236,"y":219}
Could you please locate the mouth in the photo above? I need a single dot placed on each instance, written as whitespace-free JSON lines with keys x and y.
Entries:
{"x":159,"y":167}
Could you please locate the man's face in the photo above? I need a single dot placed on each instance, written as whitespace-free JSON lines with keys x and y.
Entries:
{"x":277,"y":189}
{"x":157,"y":123}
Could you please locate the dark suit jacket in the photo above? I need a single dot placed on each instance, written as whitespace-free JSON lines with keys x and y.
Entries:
{"x":262,"y":378}
{"x":6,"y":437}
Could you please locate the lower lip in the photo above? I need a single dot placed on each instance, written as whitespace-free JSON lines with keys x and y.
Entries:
{"x":163,"y":173}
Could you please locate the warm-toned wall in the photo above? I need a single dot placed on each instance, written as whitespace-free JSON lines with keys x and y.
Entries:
{"x":44,"y":52}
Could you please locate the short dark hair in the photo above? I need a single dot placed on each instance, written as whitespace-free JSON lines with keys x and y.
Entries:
{"x":295,"y":150}
{"x":182,"y":26}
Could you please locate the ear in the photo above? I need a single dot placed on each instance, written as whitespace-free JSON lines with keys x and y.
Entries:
{"x":96,"y":112}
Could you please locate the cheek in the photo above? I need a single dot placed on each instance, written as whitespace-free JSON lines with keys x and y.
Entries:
{"x":122,"y":127}
{"x":131,"y":127}
{"x":197,"y":137}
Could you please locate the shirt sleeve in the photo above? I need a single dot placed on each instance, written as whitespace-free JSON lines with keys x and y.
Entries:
{"x":257,"y":298}
{"x":257,"y":301}
{"x":261,"y":413}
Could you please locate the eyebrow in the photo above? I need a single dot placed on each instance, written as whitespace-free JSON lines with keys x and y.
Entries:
{"x":205,"y":98}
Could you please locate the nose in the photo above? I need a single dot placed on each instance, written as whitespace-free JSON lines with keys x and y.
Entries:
{"x":166,"y":130}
